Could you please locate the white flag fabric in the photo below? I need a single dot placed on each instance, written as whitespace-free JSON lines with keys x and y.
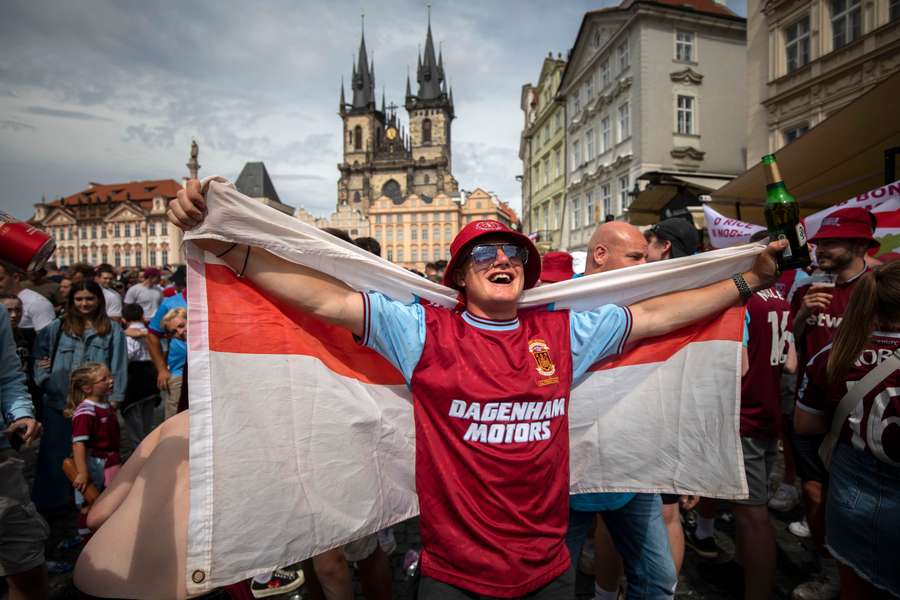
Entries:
{"x":302,"y":440}
{"x":883,"y":202}
{"x":725,"y":232}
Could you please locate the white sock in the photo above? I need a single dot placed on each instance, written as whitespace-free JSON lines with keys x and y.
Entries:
{"x":601,"y":594}
{"x":705,"y":528}
{"x":263,"y":579}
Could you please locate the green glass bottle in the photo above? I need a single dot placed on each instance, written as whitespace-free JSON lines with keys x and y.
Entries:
{"x":783,"y":219}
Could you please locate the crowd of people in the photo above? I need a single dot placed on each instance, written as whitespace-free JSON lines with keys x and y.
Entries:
{"x":100,"y":348}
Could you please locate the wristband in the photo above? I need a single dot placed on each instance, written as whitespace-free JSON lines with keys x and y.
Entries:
{"x":742,"y":286}
{"x":230,"y":248}
{"x":246,"y":258}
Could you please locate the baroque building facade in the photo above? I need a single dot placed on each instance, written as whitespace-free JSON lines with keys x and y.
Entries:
{"x":651,"y":87}
{"x":123,"y":224}
{"x":809,"y":58}
{"x":542,"y":150}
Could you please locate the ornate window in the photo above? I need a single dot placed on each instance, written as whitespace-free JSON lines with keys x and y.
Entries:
{"x":357,"y":138}
{"x":684,"y":46}
{"x":590,"y":207}
{"x":606,"y":198}
{"x":846,"y":22}
{"x":623,"y":55}
{"x":426,"y":131}
{"x":684,"y":115}
{"x":624,"y":197}
{"x":796,"y":44}
{"x":576,"y":213}
{"x":793,"y":133}
{"x":604,"y":72}
{"x":604,"y":135}
{"x":624,"y":122}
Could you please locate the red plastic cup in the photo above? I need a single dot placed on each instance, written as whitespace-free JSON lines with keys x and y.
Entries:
{"x":23,"y":246}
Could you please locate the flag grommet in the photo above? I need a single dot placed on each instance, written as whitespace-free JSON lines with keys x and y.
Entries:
{"x":198,"y":576}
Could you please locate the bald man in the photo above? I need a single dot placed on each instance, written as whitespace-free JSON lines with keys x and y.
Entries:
{"x":615,"y":245}
{"x":630,"y":532}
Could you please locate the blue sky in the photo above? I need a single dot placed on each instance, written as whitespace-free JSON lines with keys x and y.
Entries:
{"x":114,"y":91}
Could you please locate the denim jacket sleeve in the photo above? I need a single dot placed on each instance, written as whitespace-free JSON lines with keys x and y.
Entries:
{"x":15,"y":402}
{"x":118,"y":363}
{"x":42,"y":347}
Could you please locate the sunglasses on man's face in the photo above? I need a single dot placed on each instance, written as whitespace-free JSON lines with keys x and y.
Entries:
{"x":484,"y":255}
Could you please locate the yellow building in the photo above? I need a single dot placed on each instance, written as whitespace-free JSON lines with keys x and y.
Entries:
{"x":419,"y":230}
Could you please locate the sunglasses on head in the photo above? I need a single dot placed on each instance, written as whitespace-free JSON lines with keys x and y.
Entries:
{"x":484,"y":255}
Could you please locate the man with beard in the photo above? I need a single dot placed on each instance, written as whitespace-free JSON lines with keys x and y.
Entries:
{"x":817,"y":310}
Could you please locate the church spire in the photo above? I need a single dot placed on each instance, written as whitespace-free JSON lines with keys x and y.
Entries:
{"x":363,"y":83}
{"x":430,"y":71}
{"x":343,"y":104}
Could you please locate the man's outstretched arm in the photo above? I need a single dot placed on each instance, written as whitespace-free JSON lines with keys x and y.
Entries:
{"x":663,"y":314}
{"x":304,"y":288}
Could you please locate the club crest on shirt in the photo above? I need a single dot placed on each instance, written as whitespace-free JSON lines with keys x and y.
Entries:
{"x":540,"y":351}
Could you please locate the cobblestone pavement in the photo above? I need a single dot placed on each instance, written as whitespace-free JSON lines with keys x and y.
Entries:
{"x":700,"y":579}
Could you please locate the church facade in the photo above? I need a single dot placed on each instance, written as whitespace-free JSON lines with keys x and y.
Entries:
{"x":381,"y":156}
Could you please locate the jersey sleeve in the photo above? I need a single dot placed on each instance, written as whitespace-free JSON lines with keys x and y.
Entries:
{"x":746,"y":335}
{"x":394,"y":330}
{"x":812,"y":397}
{"x":597,"y":334}
{"x":82,"y":424}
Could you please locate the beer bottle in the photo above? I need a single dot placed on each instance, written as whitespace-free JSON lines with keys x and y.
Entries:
{"x":783,"y":219}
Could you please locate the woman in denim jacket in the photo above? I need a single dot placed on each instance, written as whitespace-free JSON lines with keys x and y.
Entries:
{"x":83,"y":334}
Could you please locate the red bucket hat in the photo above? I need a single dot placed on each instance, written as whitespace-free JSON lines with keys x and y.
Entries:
{"x":476,"y":230}
{"x":848,"y":224}
{"x":556,"y":266}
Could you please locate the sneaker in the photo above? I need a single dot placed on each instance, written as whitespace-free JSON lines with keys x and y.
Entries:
{"x":283,"y":581}
{"x":823,"y":587}
{"x":586,"y":559}
{"x":786,"y":498}
{"x":799,"y":528}
{"x":707,"y":547}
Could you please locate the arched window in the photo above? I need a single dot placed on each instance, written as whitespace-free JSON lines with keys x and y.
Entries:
{"x":357,"y":138}
{"x":426,"y":131}
{"x":356,"y":197}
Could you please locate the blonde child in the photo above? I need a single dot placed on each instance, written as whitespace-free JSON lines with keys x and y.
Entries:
{"x":175,"y":323}
{"x":95,"y":431}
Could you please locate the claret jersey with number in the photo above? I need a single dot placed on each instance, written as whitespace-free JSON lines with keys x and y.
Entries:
{"x":822,"y":325}
{"x":769,"y":327}
{"x":492,"y":445}
{"x":874,"y":423}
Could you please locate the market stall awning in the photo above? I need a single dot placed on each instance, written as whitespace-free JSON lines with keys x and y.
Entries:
{"x":664,"y":186}
{"x":644,"y":210}
{"x":836,"y":160}
{"x":704,"y":184}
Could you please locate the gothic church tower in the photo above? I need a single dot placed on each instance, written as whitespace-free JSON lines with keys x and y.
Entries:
{"x":379,"y":157}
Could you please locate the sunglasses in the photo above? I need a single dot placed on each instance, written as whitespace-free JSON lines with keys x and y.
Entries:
{"x":484,"y":255}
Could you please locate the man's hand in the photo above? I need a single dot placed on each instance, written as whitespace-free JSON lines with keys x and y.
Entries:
{"x":162,"y":380}
{"x":765,"y":269}
{"x":44,"y":363}
{"x":188,"y":208}
{"x":80,"y":482}
{"x":133,"y":332}
{"x":27,"y":428}
{"x":688,"y":502}
{"x":817,"y":299}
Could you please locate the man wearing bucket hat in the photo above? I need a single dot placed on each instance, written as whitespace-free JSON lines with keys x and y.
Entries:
{"x":490,"y":387}
{"x":817,"y":309}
